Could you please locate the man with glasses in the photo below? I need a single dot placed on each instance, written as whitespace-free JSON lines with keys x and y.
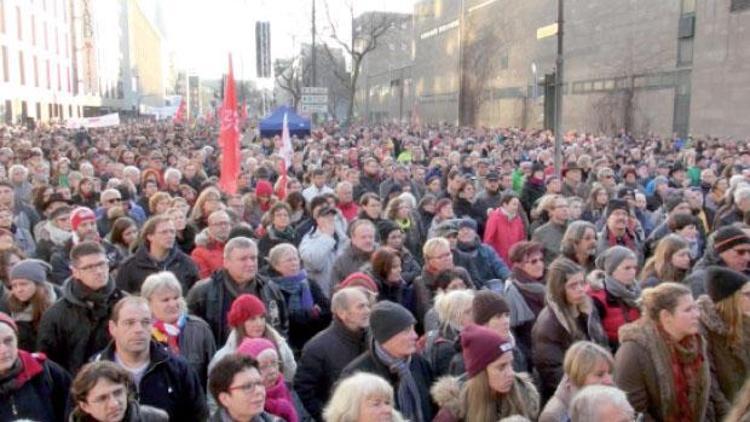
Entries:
{"x":75,"y":327}
{"x":551,"y":233}
{"x":237,"y":386}
{"x":209,"y":244}
{"x":83,"y":224}
{"x":159,"y":252}
{"x":619,"y":230}
{"x":728,"y":247}
{"x":162,"y":380}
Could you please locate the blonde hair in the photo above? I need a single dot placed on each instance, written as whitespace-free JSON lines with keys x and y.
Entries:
{"x":480,"y":403}
{"x":278,"y":252}
{"x":660,"y":265}
{"x":431,"y":245}
{"x":663,"y":297}
{"x":164,"y":280}
{"x":581,"y":359}
{"x":208,"y":194}
{"x":451,"y":306}
{"x":351,"y":392}
{"x":730,"y":311}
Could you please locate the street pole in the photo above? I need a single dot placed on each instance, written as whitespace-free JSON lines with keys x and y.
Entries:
{"x":313,"y":52}
{"x":461,"y":93}
{"x":559,"y":90}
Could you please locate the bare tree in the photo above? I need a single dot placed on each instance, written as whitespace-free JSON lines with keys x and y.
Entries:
{"x":371,"y":28}
{"x":289,"y":75}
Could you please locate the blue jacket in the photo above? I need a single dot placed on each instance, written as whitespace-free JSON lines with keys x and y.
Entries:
{"x":169,"y":384}
{"x":482,"y":263}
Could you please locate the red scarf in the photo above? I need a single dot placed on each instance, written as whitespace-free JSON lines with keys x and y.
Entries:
{"x":626,"y":240}
{"x":168,"y":334}
{"x":687,"y":360}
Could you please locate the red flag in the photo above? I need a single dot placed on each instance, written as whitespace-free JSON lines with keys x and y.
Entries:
{"x":286,"y":151}
{"x":229,"y":137}
{"x":179,"y":116}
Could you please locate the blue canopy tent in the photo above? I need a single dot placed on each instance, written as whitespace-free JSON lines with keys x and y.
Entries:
{"x":273,"y":124}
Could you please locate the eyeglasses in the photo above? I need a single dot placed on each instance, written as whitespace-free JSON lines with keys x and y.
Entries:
{"x":113,"y":200}
{"x":117,"y":394}
{"x":96,"y":266}
{"x":248,"y":387}
{"x":442,"y":256}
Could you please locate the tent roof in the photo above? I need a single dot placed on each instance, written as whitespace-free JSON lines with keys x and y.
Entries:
{"x":275,"y":122}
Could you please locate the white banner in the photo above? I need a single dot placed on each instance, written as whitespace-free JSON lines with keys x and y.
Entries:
{"x":112,"y":119}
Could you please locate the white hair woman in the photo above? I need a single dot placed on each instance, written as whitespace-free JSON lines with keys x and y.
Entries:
{"x":185,"y":335}
{"x":362,"y":397}
{"x":454,"y":309}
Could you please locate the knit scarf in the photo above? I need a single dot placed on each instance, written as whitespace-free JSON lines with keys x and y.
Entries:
{"x":95,"y":300}
{"x":169,"y":334}
{"x":8,"y":380}
{"x":628,"y":294}
{"x":297,"y":289}
{"x":56,"y":235}
{"x":286,"y":234}
{"x":407,"y":394}
{"x":686,"y":362}
{"x":404,"y":225}
{"x":471,"y":249}
{"x":626,"y":240}
{"x":533,"y":290}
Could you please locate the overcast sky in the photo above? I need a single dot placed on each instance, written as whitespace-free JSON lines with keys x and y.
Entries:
{"x":203,"y":32}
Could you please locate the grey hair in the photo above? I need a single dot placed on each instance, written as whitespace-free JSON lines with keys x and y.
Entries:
{"x":172,"y":172}
{"x":108,"y":193}
{"x":164,"y":280}
{"x":587,"y":403}
{"x":239,"y":243}
{"x":408,"y":197}
{"x":348,"y":396}
{"x":17,"y":167}
{"x":451,"y":307}
{"x":573,"y":234}
{"x":279,"y":251}
{"x":742,"y":193}
{"x":341,"y":299}
{"x":135,"y":171}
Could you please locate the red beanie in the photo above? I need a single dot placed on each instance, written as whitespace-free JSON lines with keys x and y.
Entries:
{"x":263,"y":188}
{"x":359,"y":280}
{"x":6,"y":319}
{"x":482,"y":346}
{"x":245,"y":307}
{"x":79,"y":215}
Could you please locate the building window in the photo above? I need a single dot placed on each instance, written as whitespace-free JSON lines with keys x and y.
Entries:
{"x":49,"y":79}
{"x":46,"y":37}
{"x":21,"y":68}
{"x":57,"y":41}
{"x":59,"y":78}
{"x":19,"y":24}
{"x":685,"y":52}
{"x":36,"y":72}
{"x":738,"y":5}
{"x":33,"y":30}
{"x":6,"y":73}
{"x":67,"y":71}
{"x":2,"y":16}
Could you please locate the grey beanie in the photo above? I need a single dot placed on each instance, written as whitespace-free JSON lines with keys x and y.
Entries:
{"x":613,"y":257}
{"x":388,"y":319}
{"x":30,"y":269}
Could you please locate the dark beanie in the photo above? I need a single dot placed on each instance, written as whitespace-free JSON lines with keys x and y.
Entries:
{"x":617,"y":204}
{"x":482,"y":346}
{"x":388,"y":319}
{"x":34,"y":270}
{"x":722,"y":282}
{"x":673,"y":201}
{"x":728,"y":237}
{"x":385,"y":227}
{"x":488,"y":304}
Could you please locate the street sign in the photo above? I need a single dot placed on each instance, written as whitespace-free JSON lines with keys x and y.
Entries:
{"x":314,"y":108}
{"x":314,"y":90}
{"x":546,"y":31}
{"x":314,"y":99}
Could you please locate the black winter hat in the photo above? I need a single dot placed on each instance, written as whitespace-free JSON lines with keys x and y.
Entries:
{"x":617,"y":204}
{"x":728,"y":237}
{"x":722,"y":282}
{"x":388,"y":319}
{"x":385,"y":227}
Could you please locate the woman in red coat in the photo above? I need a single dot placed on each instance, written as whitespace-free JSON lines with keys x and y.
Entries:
{"x":505,"y":226}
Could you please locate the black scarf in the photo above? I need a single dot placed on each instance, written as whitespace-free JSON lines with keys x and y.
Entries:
{"x":96,"y":300}
{"x":8,"y":380}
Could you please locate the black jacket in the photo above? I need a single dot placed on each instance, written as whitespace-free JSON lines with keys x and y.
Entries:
{"x":140,"y":265}
{"x":71,"y":330}
{"x":420,"y":369}
{"x":210,"y":299}
{"x":168,"y":384}
{"x":40,"y":392}
{"x":323,"y":359}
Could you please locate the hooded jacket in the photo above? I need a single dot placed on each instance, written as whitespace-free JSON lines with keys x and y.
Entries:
{"x":72,"y":330}
{"x":208,"y":254}
{"x":134,"y":270}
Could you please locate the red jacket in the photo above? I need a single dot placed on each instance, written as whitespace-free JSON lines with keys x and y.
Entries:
{"x":208,"y":254}
{"x":613,"y":312}
{"x":349,"y":211}
{"x":502,"y":234}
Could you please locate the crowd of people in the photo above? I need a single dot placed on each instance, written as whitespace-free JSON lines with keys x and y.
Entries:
{"x":390,"y":273}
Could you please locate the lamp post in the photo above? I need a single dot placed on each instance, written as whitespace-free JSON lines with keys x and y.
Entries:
{"x":559,"y":90}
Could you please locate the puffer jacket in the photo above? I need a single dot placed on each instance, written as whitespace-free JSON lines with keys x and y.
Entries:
{"x":208,"y":254}
{"x":446,"y":392}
